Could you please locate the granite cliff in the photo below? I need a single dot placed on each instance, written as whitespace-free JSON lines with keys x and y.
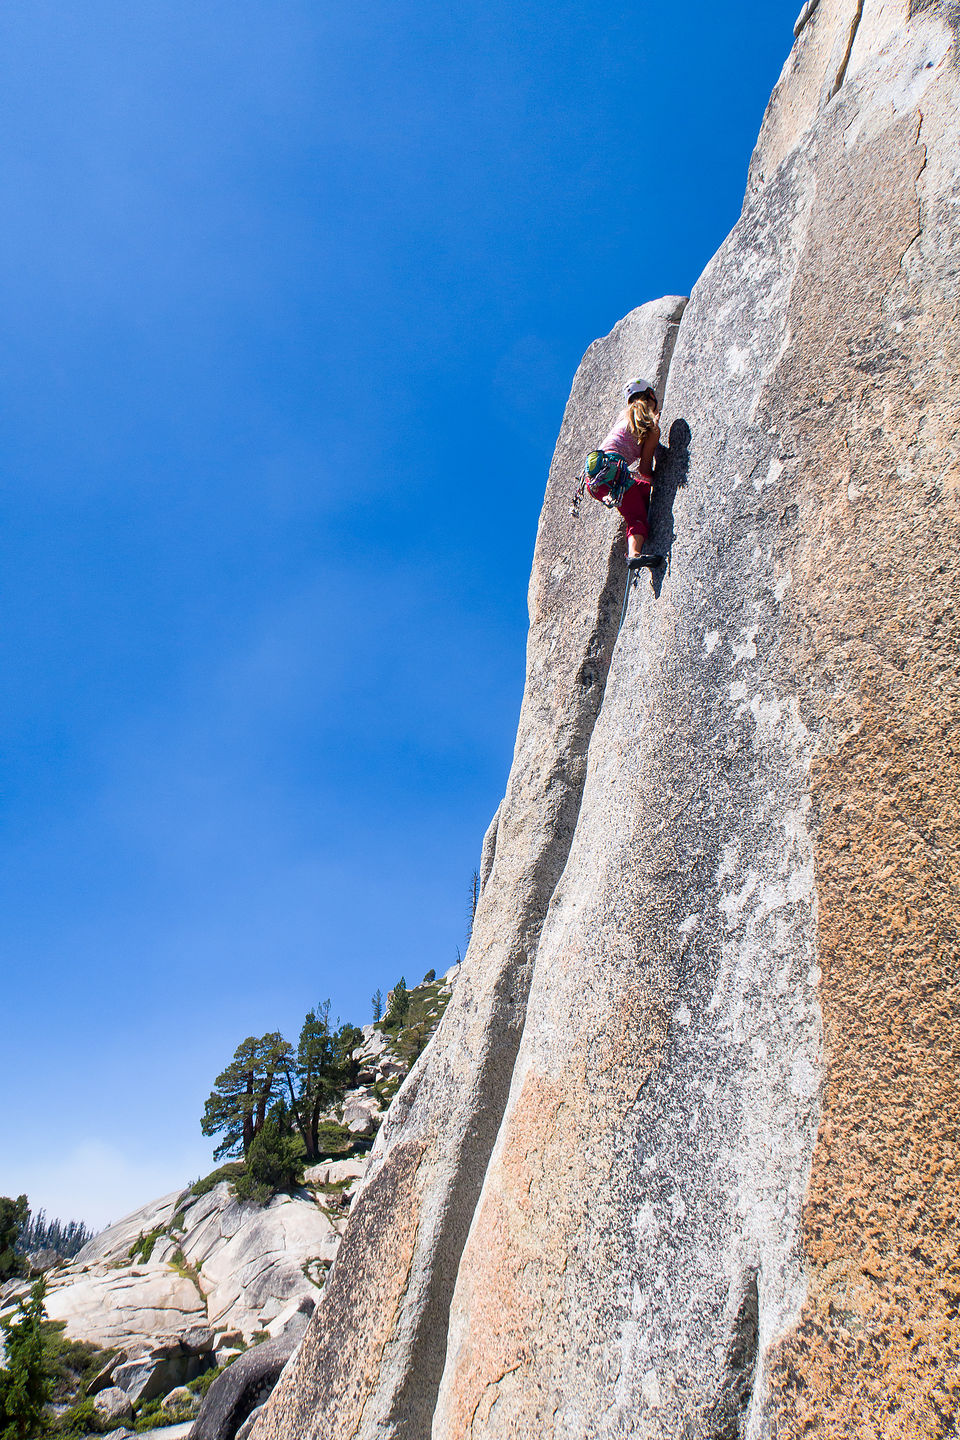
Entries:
{"x":681,"y":1159}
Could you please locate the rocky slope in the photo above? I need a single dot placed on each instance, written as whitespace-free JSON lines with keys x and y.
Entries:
{"x":682,"y":1158}
{"x":213,"y":1263}
{"x":189,"y":1280}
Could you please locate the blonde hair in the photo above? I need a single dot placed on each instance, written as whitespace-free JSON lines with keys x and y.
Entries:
{"x":641,"y":415}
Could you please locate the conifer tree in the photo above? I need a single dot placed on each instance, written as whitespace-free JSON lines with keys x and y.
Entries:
{"x":309,"y":1076}
{"x":25,"y":1381}
{"x":472,"y":900}
{"x":274,"y":1162}
{"x":14,"y":1215}
{"x":237,"y":1105}
{"x":399,"y":1004}
{"x":322,"y":1071}
{"x":346,"y":1043}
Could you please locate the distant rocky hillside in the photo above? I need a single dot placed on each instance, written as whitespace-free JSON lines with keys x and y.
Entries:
{"x":191,"y":1280}
{"x":682,"y":1158}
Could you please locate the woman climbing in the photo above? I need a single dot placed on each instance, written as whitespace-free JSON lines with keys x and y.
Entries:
{"x":634,"y":436}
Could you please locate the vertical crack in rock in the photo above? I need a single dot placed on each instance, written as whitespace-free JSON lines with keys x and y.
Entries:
{"x":918,"y":186}
{"x":841,"y":73}
{"x":728,"y":1415}
{"x":813,"y":73}
{"x":389,"y":1357}
{"x":806,"y":15}
{"x":488,"y":851}
{"x":413,"y":1403}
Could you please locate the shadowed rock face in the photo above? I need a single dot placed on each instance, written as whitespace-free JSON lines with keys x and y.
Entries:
{"x":695,"y":1098}
{"x":246,"y":1383}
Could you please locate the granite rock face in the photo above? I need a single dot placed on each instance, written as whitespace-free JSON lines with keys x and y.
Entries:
{"x":244,"y":1386}
{"x":374,"y":1354}
{"x":113,"y":1405}
{"x":682,"y":1159}
{"x":215,"y":1265}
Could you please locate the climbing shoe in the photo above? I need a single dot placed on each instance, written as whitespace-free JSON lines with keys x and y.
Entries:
{"x":644,"y":562}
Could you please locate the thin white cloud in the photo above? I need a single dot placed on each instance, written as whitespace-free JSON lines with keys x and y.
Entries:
{"x":97,"y":1182}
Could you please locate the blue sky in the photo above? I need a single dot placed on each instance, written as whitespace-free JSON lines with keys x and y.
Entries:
{"x":292,"y":297}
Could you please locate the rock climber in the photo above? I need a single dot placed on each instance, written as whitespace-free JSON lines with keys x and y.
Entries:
{"x":634,"y":437}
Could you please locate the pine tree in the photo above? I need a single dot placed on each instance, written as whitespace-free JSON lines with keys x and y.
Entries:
{"x":238,"y":1103}
{"x":66,"y":1237}
{"x":14,"y":1215}
{"x":25,"y":1382}
{"x":274,"y":1162}
{"x":399,"y":998}
{"x":376,"y":1002}
{"x":346,"y":1044}
{"x":308,"y":1075}
{"x":472,"y":901}
{"x":322,"y":1071}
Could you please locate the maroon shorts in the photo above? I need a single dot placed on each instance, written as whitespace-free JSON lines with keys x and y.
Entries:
{"x":634,"y":505}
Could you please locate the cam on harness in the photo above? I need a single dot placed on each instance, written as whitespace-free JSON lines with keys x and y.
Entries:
{"x":603,"y":470}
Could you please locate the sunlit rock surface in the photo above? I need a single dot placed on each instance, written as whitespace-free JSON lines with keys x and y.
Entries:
{"x":377,"y":1352}
{"x":228,"y":1266}
{"x":682,"y":1157}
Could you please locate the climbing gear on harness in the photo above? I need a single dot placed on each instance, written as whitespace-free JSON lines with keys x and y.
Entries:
{"x":603,"y":468}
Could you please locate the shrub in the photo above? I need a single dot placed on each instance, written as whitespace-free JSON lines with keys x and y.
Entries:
{"x":83,"y":1418}
{"x":25,"y":1383}
{"x":334,"y":1139}
{"x":142,"y":1247}
{"x":150,"y":1416}
{"x":202,"y":1383}
{"x":71,"y":1364}
{"x":230,"y":1171}
{"x":274,"y":1163}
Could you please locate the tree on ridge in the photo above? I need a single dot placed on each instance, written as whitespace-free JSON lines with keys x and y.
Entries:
{"x":14,"y":1214}
{"x":237,"y":1106}
{"x":321,"y":1073}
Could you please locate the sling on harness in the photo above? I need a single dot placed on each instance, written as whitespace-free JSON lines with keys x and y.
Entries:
{"x":603,"y":469}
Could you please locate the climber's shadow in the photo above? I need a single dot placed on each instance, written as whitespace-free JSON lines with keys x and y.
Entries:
{"x":670,"y":472}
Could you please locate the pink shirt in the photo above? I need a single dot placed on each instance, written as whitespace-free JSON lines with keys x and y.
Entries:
{"x":622,"y":440}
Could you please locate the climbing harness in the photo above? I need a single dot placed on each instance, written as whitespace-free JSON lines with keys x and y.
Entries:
{"x":603,"y":469}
